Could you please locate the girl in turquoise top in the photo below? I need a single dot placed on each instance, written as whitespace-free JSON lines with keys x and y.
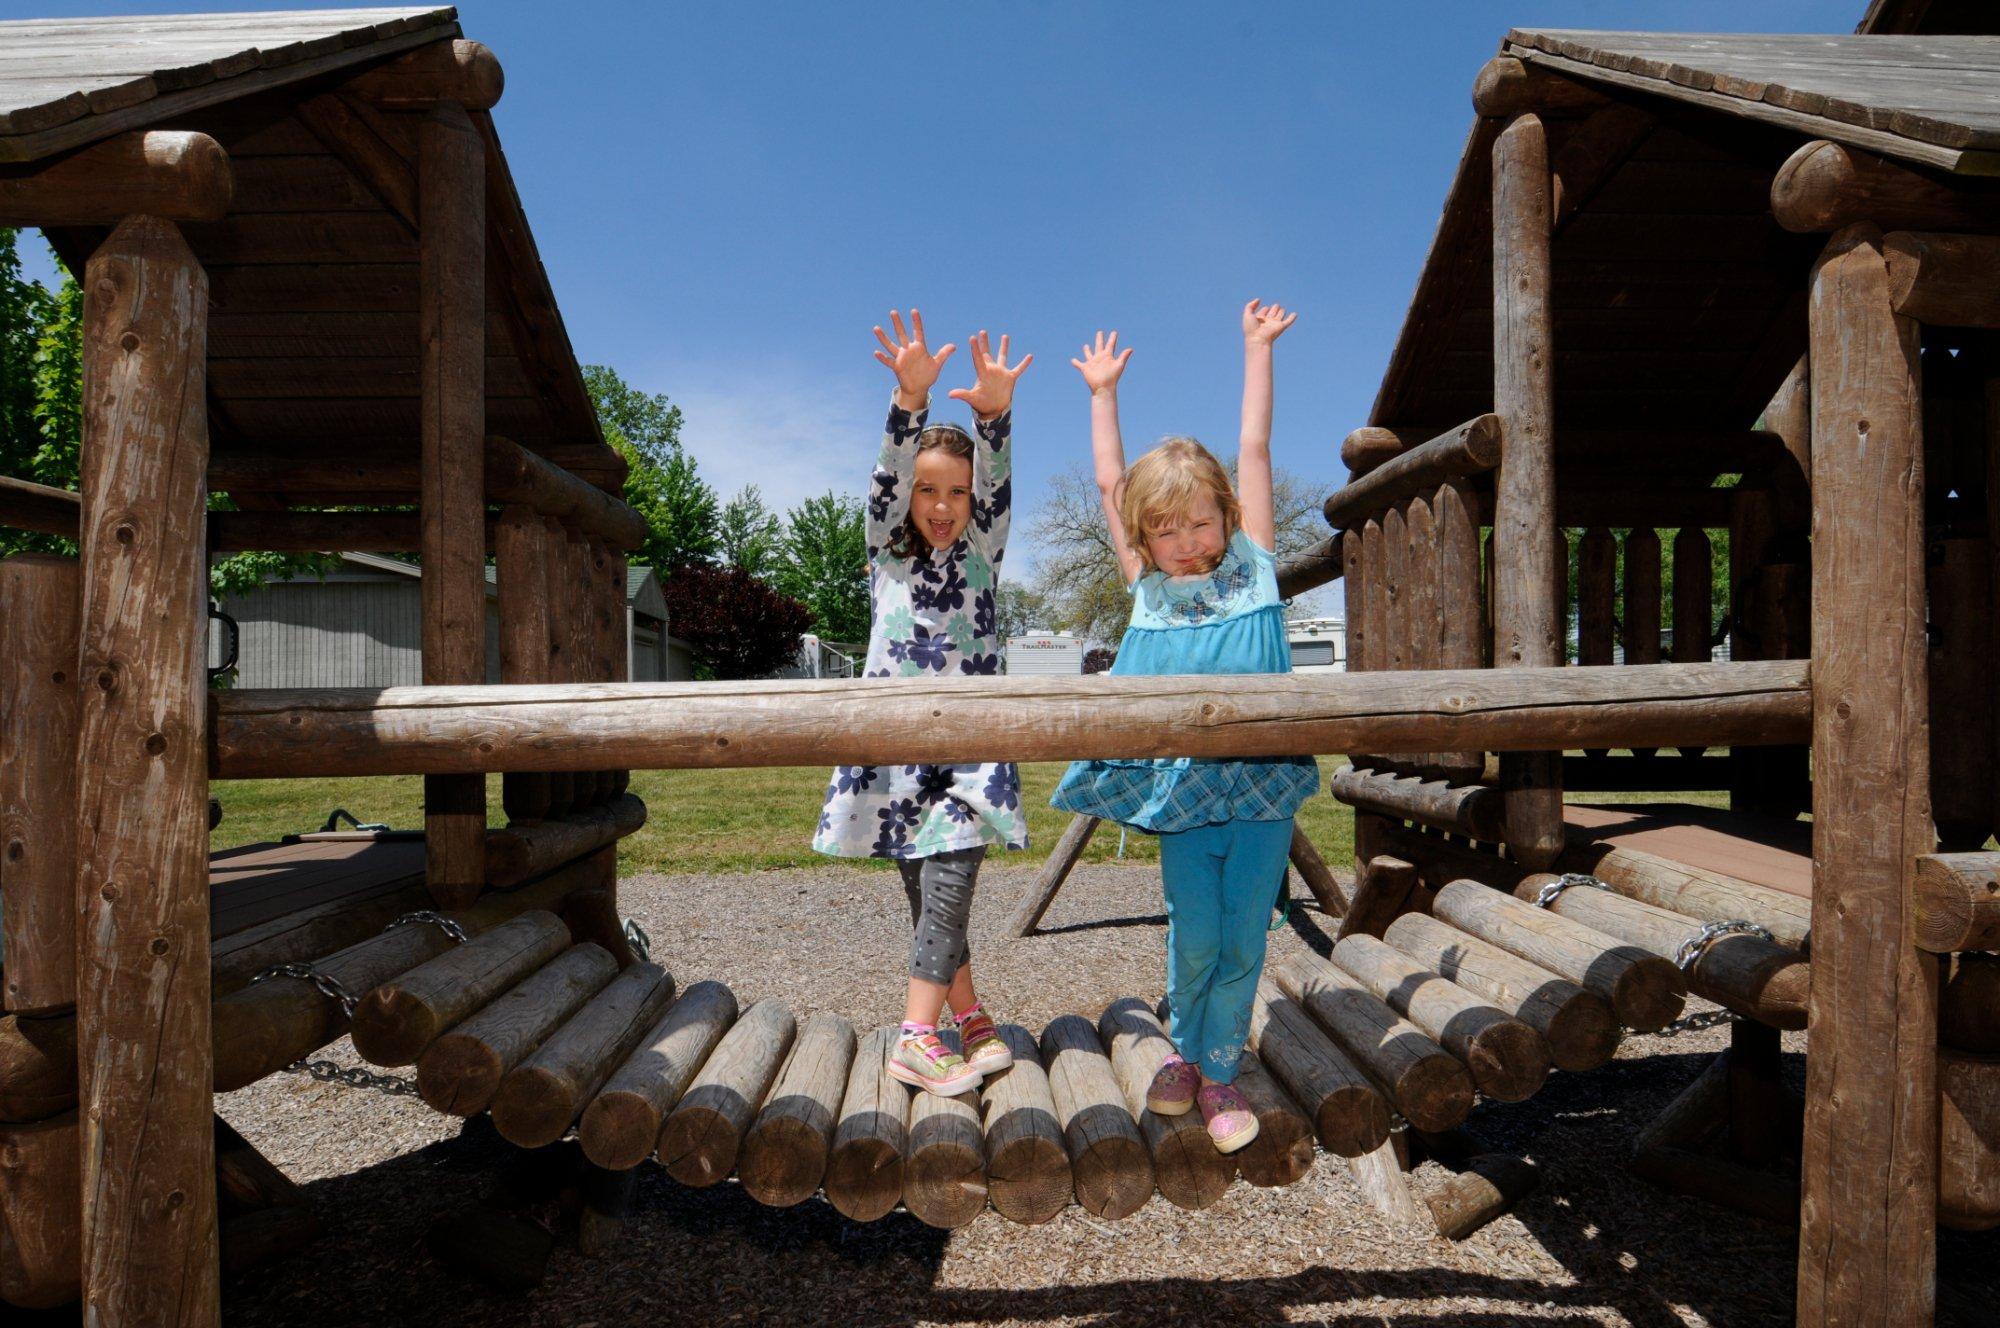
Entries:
{"x":1198,"y":558}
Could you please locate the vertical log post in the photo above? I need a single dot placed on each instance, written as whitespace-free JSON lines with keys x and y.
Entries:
{"x":1694,"y":601}
{"x":38,"y":697}
{"x":1420,"y":600}
{"x":1642,"y":602}
{"x":1767,"y":597}
{"x":1867,"y":1222}
{"x":1526,"y":633}
{"x":145,"y":1062}
{"x":521,"y":550}
{"x":621,"y":646}
{"x":451,"y":313}
{"x":1460,"y":613}
{"x":558,"y":649}
{"x":1596,"y":599}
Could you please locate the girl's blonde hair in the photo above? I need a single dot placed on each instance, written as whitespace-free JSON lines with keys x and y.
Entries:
{"x":1165,"y":483}
{"x":906,"y":541}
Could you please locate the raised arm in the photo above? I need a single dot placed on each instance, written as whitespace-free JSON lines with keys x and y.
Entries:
{"x":1263,"y":324}
{"x":1101,"y":366}
{"x":991,"y":397}
{"x":916,"y":368}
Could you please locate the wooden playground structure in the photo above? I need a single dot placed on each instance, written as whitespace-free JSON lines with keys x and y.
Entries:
{"x":309,"y":284}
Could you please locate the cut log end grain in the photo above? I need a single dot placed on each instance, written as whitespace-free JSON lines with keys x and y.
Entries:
{"x":1028,"y":1176}
{"x":1282,"y":1152}
{"x":864,"y":1171}
{"x":784,"y":1154}
{"x":622,"y":1123}
{"x":1112,"y":1169}
{"x":699,"y":1142}
{"x":944,"y":1164}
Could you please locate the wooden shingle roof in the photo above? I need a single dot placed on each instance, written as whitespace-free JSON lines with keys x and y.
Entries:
{"x":68,"y":82}
{"x":1931,"y":100}
{"x":313,"y":273}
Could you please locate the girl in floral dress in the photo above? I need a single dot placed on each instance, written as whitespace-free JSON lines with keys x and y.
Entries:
{"x":1197,"y":555}
{"x":938,"y":512}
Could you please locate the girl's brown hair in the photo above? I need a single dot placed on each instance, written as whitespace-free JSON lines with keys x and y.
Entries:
{"x":1164,"y":483}
{"x":906,"y":541}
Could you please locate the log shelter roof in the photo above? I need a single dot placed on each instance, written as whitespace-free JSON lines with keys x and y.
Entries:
{"x":1680,"y":303}
{"x":313,"y":273}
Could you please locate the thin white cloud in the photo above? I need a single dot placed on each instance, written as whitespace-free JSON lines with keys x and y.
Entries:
{"x":790,"y":438}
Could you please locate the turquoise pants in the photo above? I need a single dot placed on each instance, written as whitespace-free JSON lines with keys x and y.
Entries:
{"x":1218,"y":887}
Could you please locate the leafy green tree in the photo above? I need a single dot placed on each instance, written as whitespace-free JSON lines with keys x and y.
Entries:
{"x":1020,"y":609}
{"x":662,"y":482}
{"x":749,"y":533}
{"x":822,"y":561}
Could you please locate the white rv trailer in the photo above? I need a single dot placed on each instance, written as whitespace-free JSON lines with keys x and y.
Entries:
{"x":1044,"y":654}
{"x":1319,"y":645}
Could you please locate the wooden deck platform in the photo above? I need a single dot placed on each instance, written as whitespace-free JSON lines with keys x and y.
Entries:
{"x":272,"y":902}
{"x":1757,"y":849}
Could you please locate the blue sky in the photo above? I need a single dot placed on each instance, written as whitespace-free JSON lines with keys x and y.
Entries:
{"x":728,"y":197}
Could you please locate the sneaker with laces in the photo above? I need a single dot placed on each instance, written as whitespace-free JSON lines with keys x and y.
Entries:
{"x":985,"y":1050}
{"x":1172,"y":1091}
{"x":1226,"y":1112}
{"x":925,"y":1062}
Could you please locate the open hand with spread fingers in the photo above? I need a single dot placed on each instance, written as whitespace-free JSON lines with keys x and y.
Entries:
{"x":1265,"y":323}
{"x":992,"y":391}
{"x":911,"y":360}
{"x":1102,"y":363}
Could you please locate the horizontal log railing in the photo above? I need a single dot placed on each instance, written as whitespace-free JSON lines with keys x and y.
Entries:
{"x":1473,"y":448}
{"x":590,"y":726}
{"x":1309,"y":569}
{"x":26,"y":505}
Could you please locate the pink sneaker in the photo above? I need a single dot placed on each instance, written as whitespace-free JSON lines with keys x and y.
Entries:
{"x":1231,"y":1123}
{"x":1172,"y":1091}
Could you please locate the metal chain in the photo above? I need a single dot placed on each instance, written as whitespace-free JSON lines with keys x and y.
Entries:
{"x":1546,"y":897}
{"x":423,"y":915}
{"x":326,"y":984}
{"x":1696,"y":945}
{"x":636,"y":937}
{"x":1696,"y":1022}
{"x":327,"y":1072}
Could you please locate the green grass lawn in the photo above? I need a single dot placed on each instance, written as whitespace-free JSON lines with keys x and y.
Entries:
{"x":735,"y":820}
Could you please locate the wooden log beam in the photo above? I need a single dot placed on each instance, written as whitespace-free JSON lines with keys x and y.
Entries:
{"x":40,"y":1255}
{"x":1349,"y":1114}
{"x":541,"y":1097}
{"x":1188,"y":1170}
{"x":1384,"y":888}
{"x":522,"y":576}
{"x":944,"y":1160}
{"x":415,"y":730}
{"x":459,"y":1073}
{"x":143,"y":1013}
{"x":700,"y":1138}
{"x":522,"y":852}
{"x":1478,"y":811}
{"x":784,"y":1153}
{"x":1372,"y":445}
{"x":26,"y":505}
{"x":37,"y":1067}
{"x":1508,"y":1059}
{"x":171,"y":175}
{"x":1868,"y":1230}
{"x":1645,"y":991}
{"x":1695,"y":891}
{"x":1309,"y":569}
{"x":1473,"y":448}
{"x":1431,"y":1087}
{"x":1578,"y":1025}
{"x":517,"y":475}
{"x":39,"y":632}
{"x":1282,"y":1152}
{"x":1109,"y":1162}
{"x":1526,"y":630}
{"x":864,"y":1172}
{"x":1027,"y":1170}
{"x":1327,"y":891}
{"x":1944,"y":280}
{"x":320,"y":532}
{"x":451,"y":300}
{"x":1378,"y":1174}
{"x":1506,"y":87}
{"x":1955,"y":902}
{"x":1828,"y":186}
{"x":1758,"y":979}
{"x":1461,"y":608}
{"x":622,"y":1123}
{"x":398,"y":1020}
{"x":1969,"y":1140}
{"x":464,"y":72}
{"x":1490,"y":1185}
{"x":1061,"y":861}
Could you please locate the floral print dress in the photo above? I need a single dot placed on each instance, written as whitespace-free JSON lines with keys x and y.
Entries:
{"x":933,"y":614}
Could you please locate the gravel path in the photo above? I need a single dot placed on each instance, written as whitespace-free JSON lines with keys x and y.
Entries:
{"x":1593,"y":1246}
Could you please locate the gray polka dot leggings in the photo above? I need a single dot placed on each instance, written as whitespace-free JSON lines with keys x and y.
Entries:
{"x":940,"y":891}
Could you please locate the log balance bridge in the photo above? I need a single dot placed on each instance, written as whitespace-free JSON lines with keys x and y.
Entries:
{"x":310,"y":285}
